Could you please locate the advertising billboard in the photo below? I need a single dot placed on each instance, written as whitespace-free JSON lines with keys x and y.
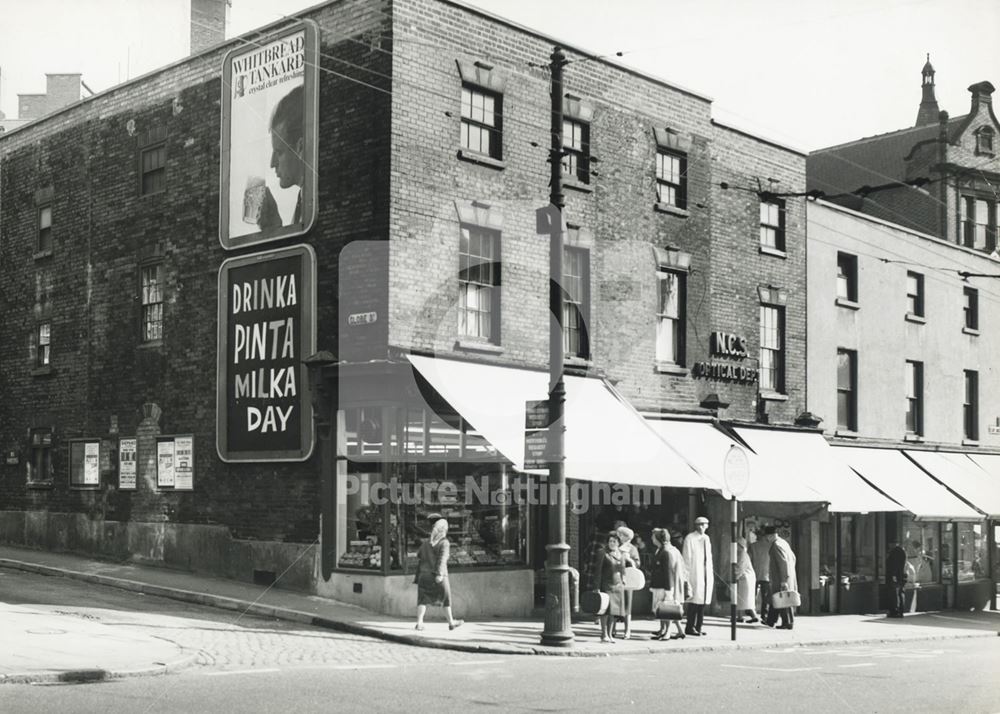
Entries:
{"x":267,"y":326}
{"x":269,"y":137}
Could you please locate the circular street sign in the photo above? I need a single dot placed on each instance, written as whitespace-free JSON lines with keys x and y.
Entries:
{"x":736,"y":471}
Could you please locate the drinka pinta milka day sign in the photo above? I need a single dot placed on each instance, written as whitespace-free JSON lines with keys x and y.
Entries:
{"x":269,"y":137}
{"x":267,"y":326}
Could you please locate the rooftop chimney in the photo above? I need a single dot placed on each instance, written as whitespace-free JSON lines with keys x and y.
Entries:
{"x":60,"y":90}
{"x":209,"y":19}
{"x":982,"y":95}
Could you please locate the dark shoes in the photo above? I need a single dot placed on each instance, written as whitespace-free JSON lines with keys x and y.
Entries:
{"x":677,"y":636}
{"x":456,"y":624}
{"x":658,"y":635}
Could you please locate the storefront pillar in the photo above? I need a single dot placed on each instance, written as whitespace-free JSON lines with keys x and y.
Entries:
{"x":991,"y":560}
{"x":322,"y":385}
{"x":839,"y":567}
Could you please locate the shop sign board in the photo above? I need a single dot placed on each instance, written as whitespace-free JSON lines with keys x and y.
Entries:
{"x":267,"y":327}
{"x":270,"y":93}
{"x":126,"y":464}
{"x":733,"y":349}
{"x":536,"y":434}
{"x":736,"y":471}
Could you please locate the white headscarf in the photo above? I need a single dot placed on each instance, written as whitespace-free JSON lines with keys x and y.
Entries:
{"x":439,"y":531}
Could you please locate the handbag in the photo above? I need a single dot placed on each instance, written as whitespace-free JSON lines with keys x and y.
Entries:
{"x":594,"y":602}
{"x":785,"y":598}
{"x":668,"y":610}
{"x":634,"y":579}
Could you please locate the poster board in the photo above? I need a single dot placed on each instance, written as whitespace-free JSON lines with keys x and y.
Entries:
{"x":85,"y":463}
{"x":127,"y":464}
{"x":175,"y":462}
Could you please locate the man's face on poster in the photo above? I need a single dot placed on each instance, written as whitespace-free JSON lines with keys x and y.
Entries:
{"x":286,"y":157}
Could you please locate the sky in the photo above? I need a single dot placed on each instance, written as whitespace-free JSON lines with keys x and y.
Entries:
{"x":805,"y":73}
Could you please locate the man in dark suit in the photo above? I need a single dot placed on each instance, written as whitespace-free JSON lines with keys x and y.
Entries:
{"x":895,"y":568}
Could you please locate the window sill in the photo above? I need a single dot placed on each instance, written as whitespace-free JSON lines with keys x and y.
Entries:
{"x":671,"y":209}
{"x":767,"y":250}
{"x":970,"y":442}
{"x":581,"y":362}
{"x":474,"y":346}
{"x":918,"y":319}
{"x":151,"y":345}
{"x":849,"y":304}
{"x":846,"y":433}
{"x":474,"y":157}
{"x":671,"y":368}
{"x":42,"y":255}
{"x":42,"y":371}
{"x":970,"y":331}
{"x":917,"y":438}
{"x":577,"y":186}
{"x":80,"y":487}
{"x":774,"y":397}
{"x":40,"y":485}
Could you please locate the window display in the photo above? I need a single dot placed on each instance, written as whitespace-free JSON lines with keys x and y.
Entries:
{"x":971,"y":551}
{"x":920,"y":541}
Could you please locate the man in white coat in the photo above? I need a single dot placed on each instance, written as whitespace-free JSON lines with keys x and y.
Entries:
{"x":697,"y":553}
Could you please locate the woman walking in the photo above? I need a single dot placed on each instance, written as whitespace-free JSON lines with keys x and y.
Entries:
{"x":609,"y":575}
{"x":632,"y":560}
{"x":433,"y":587}
{"x":668,"y":582}
{"x":746,"y":583}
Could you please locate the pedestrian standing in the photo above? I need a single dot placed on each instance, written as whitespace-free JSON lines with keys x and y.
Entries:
{"x":701,"y":572}
{"x":609,"y":575}
{"x":746,"y":584}
{"x":783,"y":578}
{"x":631,"y":553}
{"x":668,"y":581}
{"x":761,"y":560}
{"x":433,"y":587}
{"x":895,"y":568}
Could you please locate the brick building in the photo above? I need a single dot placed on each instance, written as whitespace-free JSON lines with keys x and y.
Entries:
{"x":684,"y":276}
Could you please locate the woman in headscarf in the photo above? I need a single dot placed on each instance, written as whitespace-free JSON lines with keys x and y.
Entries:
{"x":631,"y":553}
{"x":746,"y":583}
{"x":433,"y":587}
{"x":609,"y":574}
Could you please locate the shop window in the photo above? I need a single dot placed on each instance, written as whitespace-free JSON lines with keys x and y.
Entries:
{"x":772,"y":348}
{"x":362,"y":533}
{"x":920,"y":541}
{"x":151,"y":278}
{"x":671,"y":178}
{"x":914,"y":294}
{"x":914,"y":398}
{"x":363,"y":432}
{"x":576,"y":150}
{"x":576,"y":302}
{"x":153,"y":161}
{"x":972,"y":563}
{"x":847,"y":277}
{"x":970,"y":408}
{"x":481,"y":121}
{"x":847,"y":395}
{"x":39,"y":462}
{"x":45,"y":229}
{"x":970,"y":308}
{"x":671,"y":318}
{"x":43,"y":352}
{"x":772,"y":223}
{"x":479,"y":283}
{"x":857,"y":547}
{"x":979,"y":223}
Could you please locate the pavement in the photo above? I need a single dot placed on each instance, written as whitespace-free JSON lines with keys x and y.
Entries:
{"x":50,"y":647}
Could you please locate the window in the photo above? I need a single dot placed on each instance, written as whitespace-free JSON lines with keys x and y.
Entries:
{"x":979,"y":223}
{"x":772,"y":345}
{"x":481,"y":122}
{"x":915,"y":398}
{"x":153,"y":161}
{"x":970,"y":409}
{"x":152,"y":303}
{"x":847,"y":277}
{"x":479,"y":284}
{"x":576,"y":302}
{"x":847,"y":393}
{"x":44,"y":228}
{"x":920,"y":541}
{"x":984,"y":140}
{"x":671,"y":319}
{"x":971,"y":308}
{"x":671,"y":178}
{"x":43,"y":355}
{"x":772,"y":223}
{"x":914,"y":294}
{"x":576,"y":150}
{"x":39,"y":463}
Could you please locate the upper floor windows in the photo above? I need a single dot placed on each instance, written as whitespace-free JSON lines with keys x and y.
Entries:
{"x":847,"y":277}
{"x":847,"y":390}
{"x":151,"y":278}
{"x":970,"y":308}
{"x":914,"y":398}
{"x":576,"y":150}
{"x":43,"y":344}
{"x":970,"y":407}
{"x":576,"y":302}
{"x":670,"y":316}
{"x":153,"y":161}
{"x":984,"y":140}
{"x":671,"y":178}
{"x":45,"y":228}
{"x":481,"y":121}
{"x":772,"y":348}
{"x":914,"y":294}
{"x":979,"y":223}
{"x":772,"y":223}
{"x":479,"y":284}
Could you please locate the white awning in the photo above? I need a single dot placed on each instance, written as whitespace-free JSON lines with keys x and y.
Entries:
{"x":805,"y":459}
{"x":904,"y":481}
{"x":606,"y":439}
{"x":989,"y":499}
{"x":963,"y":476}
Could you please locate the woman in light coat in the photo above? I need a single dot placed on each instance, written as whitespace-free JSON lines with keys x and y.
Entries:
{"x":668,"y":582}
{"x":625,"y":536}
{"x":746,"y":584}
{"x":609,"y":576}
{"x":431,"y":578}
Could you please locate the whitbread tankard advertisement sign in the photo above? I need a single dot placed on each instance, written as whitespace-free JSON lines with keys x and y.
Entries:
{"x":267,"y":326}
{"x":269,"y":118}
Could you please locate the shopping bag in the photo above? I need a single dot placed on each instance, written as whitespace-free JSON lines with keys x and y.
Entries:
{"x":634,"y":579}
{"x":669,"y":610}
{"x":785,"y":598}
{"x":594,"y":602}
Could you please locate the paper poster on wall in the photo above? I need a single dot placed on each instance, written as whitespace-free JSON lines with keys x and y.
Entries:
{"x":92,"y":463}
{"x":126,"y":464}
{"x":183,"y":463}
{"x":165,"y":464}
